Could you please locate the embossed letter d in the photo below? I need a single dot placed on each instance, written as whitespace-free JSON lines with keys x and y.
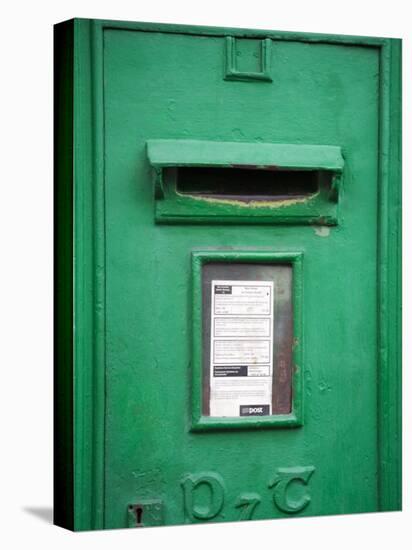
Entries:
{"x":214,"y":484}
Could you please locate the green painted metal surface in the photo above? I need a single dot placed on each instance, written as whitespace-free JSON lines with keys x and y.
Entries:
{"x":147,"y":96}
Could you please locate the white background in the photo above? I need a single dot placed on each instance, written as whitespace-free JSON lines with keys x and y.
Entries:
{"x":26,"y":273}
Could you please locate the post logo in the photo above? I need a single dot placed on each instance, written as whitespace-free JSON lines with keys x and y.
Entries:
{"x":254,"y":410}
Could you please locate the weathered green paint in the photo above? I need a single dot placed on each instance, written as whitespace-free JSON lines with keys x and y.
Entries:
{"x":133,"y":295}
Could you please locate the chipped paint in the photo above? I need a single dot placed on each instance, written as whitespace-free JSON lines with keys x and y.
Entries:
{"x":250,"y":203}
{"x":322,"y":231}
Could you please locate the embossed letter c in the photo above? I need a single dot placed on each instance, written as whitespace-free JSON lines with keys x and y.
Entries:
{"x":281,"y":483}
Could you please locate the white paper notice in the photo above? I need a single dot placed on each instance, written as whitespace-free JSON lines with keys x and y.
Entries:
{"x":241,"y":349}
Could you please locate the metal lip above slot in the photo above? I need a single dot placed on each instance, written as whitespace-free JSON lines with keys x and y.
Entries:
{"x":308,"y":177}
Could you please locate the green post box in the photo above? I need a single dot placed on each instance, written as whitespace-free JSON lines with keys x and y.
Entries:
{"x":227,"y":274}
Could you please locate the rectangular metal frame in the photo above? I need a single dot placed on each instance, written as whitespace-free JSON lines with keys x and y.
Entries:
{"x":295,"y":418}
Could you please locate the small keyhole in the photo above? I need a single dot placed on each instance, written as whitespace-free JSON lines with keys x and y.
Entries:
{"x":139,"y":513}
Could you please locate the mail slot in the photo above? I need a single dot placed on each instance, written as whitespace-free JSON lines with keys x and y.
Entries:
{"x":229,"y":182}
{"x":227,"y":274}
{"x":245,"y":183}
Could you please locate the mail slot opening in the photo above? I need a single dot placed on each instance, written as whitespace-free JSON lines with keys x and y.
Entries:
{"x":249,"y":184}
